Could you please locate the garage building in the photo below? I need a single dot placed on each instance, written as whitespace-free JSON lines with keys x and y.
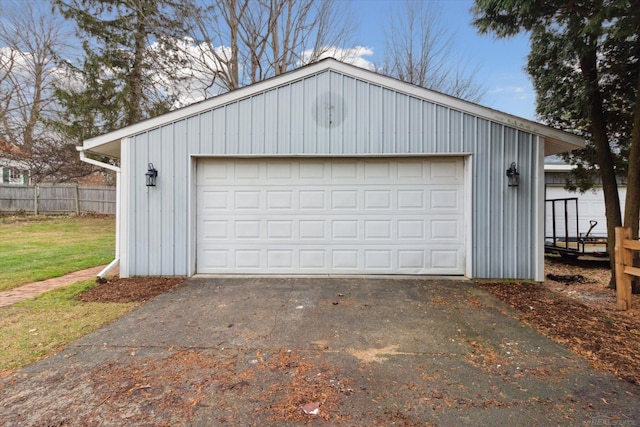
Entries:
{"x":331,"y":169}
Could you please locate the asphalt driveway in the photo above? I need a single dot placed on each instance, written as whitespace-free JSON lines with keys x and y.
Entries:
{"x":352,"y":352}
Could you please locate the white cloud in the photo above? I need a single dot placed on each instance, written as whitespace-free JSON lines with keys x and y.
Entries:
{"x":354,"y":56}
{"x":518,"y":92}
{"x":195,"y":79}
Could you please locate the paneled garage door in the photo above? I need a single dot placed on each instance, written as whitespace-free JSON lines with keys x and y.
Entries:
{"x":330,"y":216}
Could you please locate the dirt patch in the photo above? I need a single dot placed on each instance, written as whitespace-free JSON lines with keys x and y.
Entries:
{"x":580,"y":314}
{"x":136,"y":289}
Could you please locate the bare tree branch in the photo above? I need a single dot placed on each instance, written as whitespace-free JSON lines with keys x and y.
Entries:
{"x":30,"y":37}
{"x":418,"y":50}
{"x":245,"y":41}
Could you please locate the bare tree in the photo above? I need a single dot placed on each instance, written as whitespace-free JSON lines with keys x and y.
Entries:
{"x":30,"y":37}
{"x":244,"y":41}
{"x":418,"y":50}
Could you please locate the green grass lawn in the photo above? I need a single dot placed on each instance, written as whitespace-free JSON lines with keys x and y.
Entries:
{"x":39,"y":248}
{"x":37,"y":327}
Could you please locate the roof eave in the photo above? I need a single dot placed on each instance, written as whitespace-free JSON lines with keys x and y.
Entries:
{"x":556,"y":146}
{"x":110,"y":148}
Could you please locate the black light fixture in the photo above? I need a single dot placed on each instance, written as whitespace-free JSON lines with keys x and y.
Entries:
{"x":151,"y":175}
{"x":513,"y":175}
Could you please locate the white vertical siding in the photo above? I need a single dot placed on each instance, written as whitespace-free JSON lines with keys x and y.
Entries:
{"x":181,"y":185}
{"x":334,"y":114}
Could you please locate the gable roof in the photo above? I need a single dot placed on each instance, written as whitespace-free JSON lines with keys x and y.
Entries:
{"x":556,"y":141}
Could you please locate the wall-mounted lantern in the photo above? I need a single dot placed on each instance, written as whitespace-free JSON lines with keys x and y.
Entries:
{"x":151,"y":176}
{"x":513,"y":175}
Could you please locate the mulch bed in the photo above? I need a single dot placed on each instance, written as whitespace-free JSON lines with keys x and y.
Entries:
{"x":609,"y":340}
{"x":135,"y":289}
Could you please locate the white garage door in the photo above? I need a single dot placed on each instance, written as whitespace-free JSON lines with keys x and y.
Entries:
{"x":330,"y":216}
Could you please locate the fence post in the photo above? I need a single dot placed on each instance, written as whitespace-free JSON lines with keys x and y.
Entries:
{"x":77,"y":193}
{"x":624,"y":257}
{"x":35,"y":199}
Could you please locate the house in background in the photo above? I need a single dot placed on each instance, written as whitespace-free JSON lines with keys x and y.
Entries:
{"x":590,"y":204}
{"x":12,"y":171}
{"x":331,"y":169}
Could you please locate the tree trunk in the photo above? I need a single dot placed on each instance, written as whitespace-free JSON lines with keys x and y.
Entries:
{"x":588,"y":65}
{"x":135,"y":77}
{"x":632,"y":203}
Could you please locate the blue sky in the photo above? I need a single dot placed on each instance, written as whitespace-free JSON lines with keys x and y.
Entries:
{"x":500,"y":63}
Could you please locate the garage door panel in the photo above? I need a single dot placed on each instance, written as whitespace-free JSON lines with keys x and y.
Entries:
{"x":215,"y":229}
{"x":443,"y":258}
{"x":378,"y":229}
{"x":309,"y":172}
{"x":445,"y":199}
{"x":378,"y":199}
{"x":312,"y":229}
{"x":446,"y":171}
{"x":345,"y":224}
{"x":311,"y":199}
{"x":447,"y":230}
{"x":213,"y":259}
{"x":313,"y":259}
{"x":412,"y":172}
{"x":214,"y":200}
{"x":344,"y":171}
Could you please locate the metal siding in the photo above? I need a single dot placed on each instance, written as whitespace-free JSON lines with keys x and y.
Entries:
{"x":388,"y":121}
{"x":124,"y":210}
{"x":481,"y":200}
{"x":242,"y":123}
{"x":442,"y":129}
{"x":271,"y":121}
{"x":193,"y":135}
{"x":496,"y":207}
{"x":206,"y":132}
{"x":362,"y":117}
{"x":169,"y":182}
{"x":455,"y":131}
{"x":334,"y":114}
{"x":349,"y":125}
{"x":257,"y":126}
{"x":310,"y":137}
{"x":402,"y":123}
{"x":510,"y":206}
{"x":140,"y":194}
{"x":428,"y":127}
{"x":415,"y":125}
{"x":526,"y":216}
{"x":375,"y":119}
{"x":296,"y":116}
{"x":469,"y":136}
{"x":181,"y":200}
{"x":323,"y":131}
{"x":231,"y":121}
{"x":219,"y":131}
{"x":283,"y":109}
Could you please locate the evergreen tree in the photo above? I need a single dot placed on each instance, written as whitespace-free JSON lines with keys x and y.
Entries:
{"x":125,"y":43}
{"x":585,"y":69}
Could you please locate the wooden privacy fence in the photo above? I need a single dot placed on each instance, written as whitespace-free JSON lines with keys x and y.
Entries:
{"x":625,"y":247}
{"x":46,"y":199}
